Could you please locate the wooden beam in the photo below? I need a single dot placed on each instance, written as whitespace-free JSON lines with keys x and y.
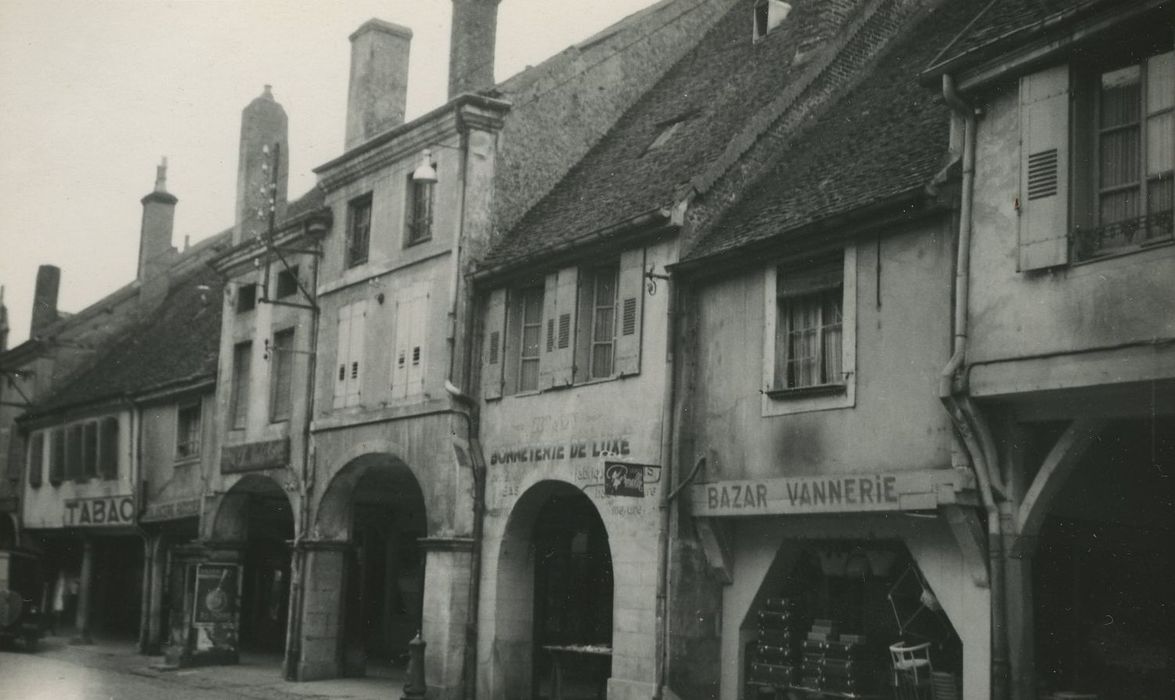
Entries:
{"x":1055,"y":471}
{"x":972,"y":541}
{"x":716,"y":549}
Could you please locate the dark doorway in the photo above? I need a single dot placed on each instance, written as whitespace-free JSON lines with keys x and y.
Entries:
{"x":265,"y":589}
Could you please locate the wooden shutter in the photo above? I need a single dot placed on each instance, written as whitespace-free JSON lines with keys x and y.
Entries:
{"x":408,"y":356}
{"x":108,"y":447}
{"x":1044,"y":169}
{"x":558,"y":346}
{"x":56,"y":456}
{"x":355,"y":353}
{"x":36,"y":457}
{"x":342,"y":356}
{"x":630,"y":305}
{"x":492,"y":360}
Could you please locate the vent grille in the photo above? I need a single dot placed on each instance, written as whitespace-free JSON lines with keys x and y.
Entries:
{"x":628,"y":321}
{"x":494,"y":337}
{"x":1042,"y":174}
{"x":564,"y":331}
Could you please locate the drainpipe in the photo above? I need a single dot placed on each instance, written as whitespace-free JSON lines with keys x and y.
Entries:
{"x":297,"y":566}
{"x":665,"y":540}
{"x":971,"y":426}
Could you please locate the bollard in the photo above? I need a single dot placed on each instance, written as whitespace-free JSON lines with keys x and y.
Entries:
{"x":414,"y":688}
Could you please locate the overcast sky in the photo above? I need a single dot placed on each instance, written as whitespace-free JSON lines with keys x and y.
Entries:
{"x":92,"y":93}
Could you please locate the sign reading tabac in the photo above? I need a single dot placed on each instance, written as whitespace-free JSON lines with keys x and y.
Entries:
{"x":842,"y":493}
{"x":104,"y":511}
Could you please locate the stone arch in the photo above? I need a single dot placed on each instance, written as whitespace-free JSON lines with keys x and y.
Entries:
{"x":231,"y":522}
{"x":514,"y":622}
{"x":334,"y":514}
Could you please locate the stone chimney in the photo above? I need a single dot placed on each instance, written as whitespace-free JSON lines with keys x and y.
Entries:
{"x":155,"y":249}
{"x":378,"y":87}
{"x":264,"y":131}
{"x":471,"y":46}
{"x":3,"y":322}
{"x":45,"y":298}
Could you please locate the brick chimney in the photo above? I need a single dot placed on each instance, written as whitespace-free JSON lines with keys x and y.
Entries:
{"x":155,"y":249}
{"x":378,"y":87}
{"x":264,"y":128}
{"x":45,"y":298}
{"x":471,"y":46}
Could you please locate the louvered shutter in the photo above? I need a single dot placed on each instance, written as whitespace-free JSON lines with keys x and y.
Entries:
{"x":356,"y":352}
{"x":492,"y":361}
{"x":342,"y":356}
{"x":630,"y":305}
{"x":400,"y":348}
{"x":559,"y":319}
{"x":1044,"y":169}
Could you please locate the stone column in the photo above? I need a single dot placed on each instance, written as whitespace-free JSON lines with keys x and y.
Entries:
{"x":156,"y":567}
{"x":320,"y":637}
{"x":446,"y":612}
{"x":1021,"y":619}
{"x":85,"y":591}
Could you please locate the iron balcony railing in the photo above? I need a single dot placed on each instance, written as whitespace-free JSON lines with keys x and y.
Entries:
{"x":1095,"y":241}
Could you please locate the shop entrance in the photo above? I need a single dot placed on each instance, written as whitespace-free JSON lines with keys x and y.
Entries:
{"x":1105,"y":560}
{"x":257,"y":513}
{"x":117,"y":587}
{"x":555,"y":594}
{"x":834,"y":618}
{"x":376,"y":503}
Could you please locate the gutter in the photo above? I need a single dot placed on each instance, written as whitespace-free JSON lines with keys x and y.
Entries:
{"x":972,"y":428}
{"x":665,"y":544}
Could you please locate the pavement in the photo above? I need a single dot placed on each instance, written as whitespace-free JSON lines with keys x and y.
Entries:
{"x":113,"y":670}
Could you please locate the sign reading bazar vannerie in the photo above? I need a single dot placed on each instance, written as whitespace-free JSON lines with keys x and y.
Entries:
{"x":841,"y":493}
{"x":105,"y":511}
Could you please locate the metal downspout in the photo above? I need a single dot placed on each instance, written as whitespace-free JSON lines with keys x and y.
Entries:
{"x":971,"y":426}
{"x":668,"y":412}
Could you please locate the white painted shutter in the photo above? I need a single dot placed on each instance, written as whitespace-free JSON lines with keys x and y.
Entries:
{"x":1044,"y":169}
{"x":355,"y":367}
{"x":400,"y":349}
{"x":630,"y":302}
{"x":418,"y":324}
{"x":561,"y":358}
{"x":492,"y":360}
{"x":342,"y":356}
{"x":550,"y":330}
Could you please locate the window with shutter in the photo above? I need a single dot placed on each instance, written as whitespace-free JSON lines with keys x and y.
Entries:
{"x":409,"y":356}
{"x":36,"y":459}
{"x":631,"y":291}
{"x":491,"y":369}
{"x":242,"y":373}
{"x":1044,"y":181}
{"x":57,"y":456}
{"x":90,"y":449}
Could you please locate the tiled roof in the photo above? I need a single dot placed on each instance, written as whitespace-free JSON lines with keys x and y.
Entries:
{"x":713,"y":90}
{"x":177,"y":343}
{"x":1002,"y":22}
{"x":887,"y":137}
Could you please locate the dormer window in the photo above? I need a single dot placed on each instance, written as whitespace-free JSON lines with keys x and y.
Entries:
{"x":769,"y":14}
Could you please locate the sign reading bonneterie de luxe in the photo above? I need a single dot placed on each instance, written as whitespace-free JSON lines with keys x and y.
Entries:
{"x":104,"y":511}
{"x":252,"y":456}
{"x":840,"y":493}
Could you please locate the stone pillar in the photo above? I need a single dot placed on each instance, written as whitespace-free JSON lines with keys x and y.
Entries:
{"x":156,"y":567}
{"x":320,"y":636}
{"x":446,"y":613}
{"x":85,"y":591}
{"x":1021,"y":620}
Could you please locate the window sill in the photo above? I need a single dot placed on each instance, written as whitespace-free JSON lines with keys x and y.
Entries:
{"x":1121,"y":251}
{"x":186,"y":460}
{"x":805,"y":392}
{"x":419,"y":241}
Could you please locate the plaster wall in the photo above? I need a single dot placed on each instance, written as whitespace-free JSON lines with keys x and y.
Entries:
{"x":567,"y":434}
{"x":903,"y":292}
{"x":1075,"y":308}
{"x":169,"y":478}
{"x":45,"y":506}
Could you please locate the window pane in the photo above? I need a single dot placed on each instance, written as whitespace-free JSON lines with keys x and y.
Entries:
{"x":1120,"y":96}
{"x":1160,"y":202}
{"x":528,"y":377}
{"x":602,"y":329}
{"x":530,"y":341}
{"x":1160,"y":82}
{"x":532,"y":306}
{"x":1119,"y":157}
{"x":605,"y":287}
{"x":601,"y":360}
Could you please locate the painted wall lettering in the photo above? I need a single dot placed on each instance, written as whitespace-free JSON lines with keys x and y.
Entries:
{"x":104,"y":511}
{"x":555,"y":452}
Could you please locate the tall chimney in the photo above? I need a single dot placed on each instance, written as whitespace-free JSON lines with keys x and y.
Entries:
{"x":3,"y":322}
{"x":379,"y":79}
{"x":155,"y":250}
{"x":264,"y":131}
{"x":471,"y":46}
{"x":45,"y":298}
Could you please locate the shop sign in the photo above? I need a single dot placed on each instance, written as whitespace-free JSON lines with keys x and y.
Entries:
{"x":217,"y":589}
{"x":104,"y":511}
{"x":624,"y":479}
{"x":171,"y":510}
{"x":254,"y":456}
{"x":562,"y":451}
{"x":848,"y":493}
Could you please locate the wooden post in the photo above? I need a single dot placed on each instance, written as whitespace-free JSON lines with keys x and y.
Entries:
{"x":85,"y":591}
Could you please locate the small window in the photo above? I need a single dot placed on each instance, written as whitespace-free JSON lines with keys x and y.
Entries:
{"x":282,"y":375}
{"x":108,"y":448}
{"x":809,"y":326}
{"x":419,"y":211}
{"x":90,"y":450}
{"x":246,"y":297}
{"x":358,"y":231}
{"x":287,"y":282}
{"x":36,"y":459}
{"x":57,"y":456}
{"x":187,"y":431}
{"x":599,"y":322}
{"x":242,"y":366}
